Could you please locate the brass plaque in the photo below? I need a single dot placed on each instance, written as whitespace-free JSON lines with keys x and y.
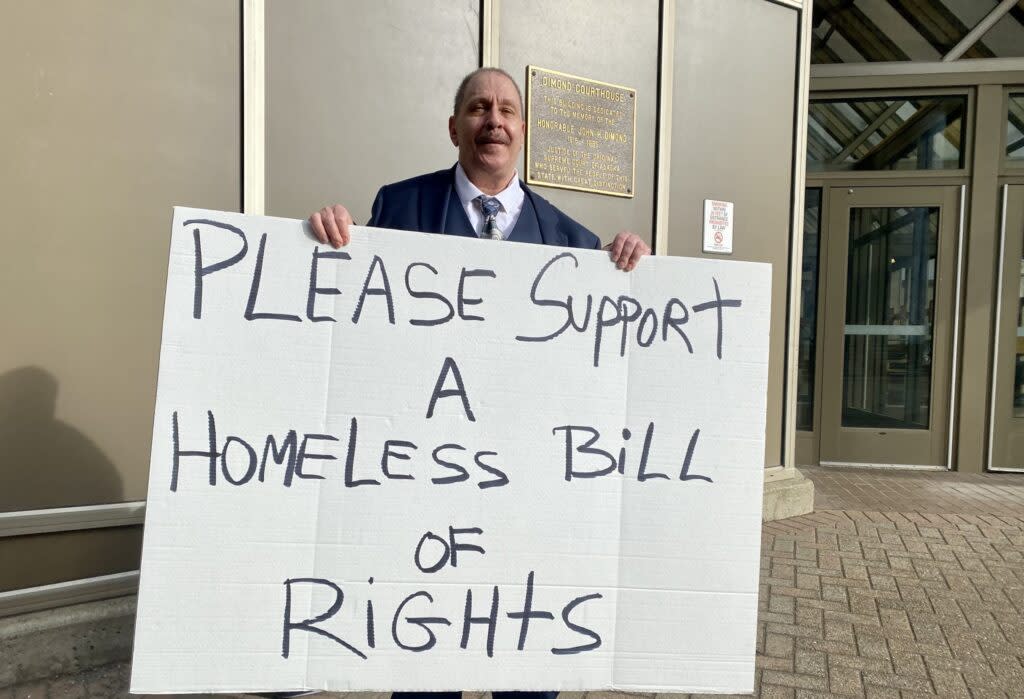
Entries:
{"x":580,"y":133}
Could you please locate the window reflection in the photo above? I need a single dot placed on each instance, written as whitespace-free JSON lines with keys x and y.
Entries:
{"x":1015,"y":129}
{"x":889,"y":317}
{"x":808,"y":311}
{"x":1018,"y":374}
{"x":896,"y":133}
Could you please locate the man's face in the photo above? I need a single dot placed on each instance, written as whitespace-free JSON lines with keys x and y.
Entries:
{"x":489,"y":128}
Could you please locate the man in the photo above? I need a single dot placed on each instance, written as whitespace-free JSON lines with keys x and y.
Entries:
{"x":481,"y":196}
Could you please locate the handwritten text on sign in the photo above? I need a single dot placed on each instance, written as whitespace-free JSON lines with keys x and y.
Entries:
{"x":426,"y":462}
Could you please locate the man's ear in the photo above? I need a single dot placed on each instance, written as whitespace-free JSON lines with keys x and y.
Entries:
{"x":452,"y":132}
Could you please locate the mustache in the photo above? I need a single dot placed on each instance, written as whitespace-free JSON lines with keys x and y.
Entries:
{"x":493,"y":137}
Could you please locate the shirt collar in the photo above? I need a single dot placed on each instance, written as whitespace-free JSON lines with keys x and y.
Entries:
{"x":511,"y":197}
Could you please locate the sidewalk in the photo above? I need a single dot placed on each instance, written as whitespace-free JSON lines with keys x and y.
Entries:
{"x":900,"y":585}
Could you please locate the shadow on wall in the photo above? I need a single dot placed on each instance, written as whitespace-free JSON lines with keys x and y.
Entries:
{"x":43,"y":461}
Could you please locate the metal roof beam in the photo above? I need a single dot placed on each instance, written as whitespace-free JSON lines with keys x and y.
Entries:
{"x":870,"y":129}
{"x":979,"y":30}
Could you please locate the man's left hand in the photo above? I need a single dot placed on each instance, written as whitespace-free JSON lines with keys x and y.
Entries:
{"x":627,"y":249}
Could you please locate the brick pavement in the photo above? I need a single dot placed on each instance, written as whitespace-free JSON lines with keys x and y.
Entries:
{"x":900,"y":585}
{"x":936,"y":492}
{"x":872,"y":604}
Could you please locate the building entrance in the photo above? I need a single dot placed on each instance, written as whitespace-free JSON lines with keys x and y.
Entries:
{"x":887,"y":327}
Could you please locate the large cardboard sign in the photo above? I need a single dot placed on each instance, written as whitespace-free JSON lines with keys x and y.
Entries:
{"x":435,"y":463}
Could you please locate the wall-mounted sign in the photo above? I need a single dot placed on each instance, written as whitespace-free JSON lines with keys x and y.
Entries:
{"x":581,"y":134}
{"x":718,"y":226}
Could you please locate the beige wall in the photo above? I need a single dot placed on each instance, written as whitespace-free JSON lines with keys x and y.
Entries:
{"x":51,"y":558}
{"x":610,"y":41}
{"x":358,"y":95}
{"x":112,"y":113}
{"x":733,"y":117}
{"x":138,"y":107}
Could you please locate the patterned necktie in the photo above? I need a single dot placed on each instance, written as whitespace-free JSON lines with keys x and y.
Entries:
{"x":490,"y":207}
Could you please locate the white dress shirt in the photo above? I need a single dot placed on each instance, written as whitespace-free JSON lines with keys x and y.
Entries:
{"x":511,"y":199}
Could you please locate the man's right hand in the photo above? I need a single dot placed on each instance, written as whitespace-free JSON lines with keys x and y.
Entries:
{"x":330,"y":225}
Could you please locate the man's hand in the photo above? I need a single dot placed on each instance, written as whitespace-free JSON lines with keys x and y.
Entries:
{"x":627,"y":249}
{"x":330,"y":225}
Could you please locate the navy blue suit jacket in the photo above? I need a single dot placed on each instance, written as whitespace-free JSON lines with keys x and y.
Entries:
{"x":422,"y":204}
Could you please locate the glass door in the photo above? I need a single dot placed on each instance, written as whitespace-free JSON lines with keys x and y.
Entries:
{"x":1006,"y":441}
{"x":888,"y":325}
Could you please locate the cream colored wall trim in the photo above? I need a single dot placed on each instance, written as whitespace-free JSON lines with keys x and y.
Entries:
{"x":954,"y":395}
{"x":254,"y":95}
{"x":796,"y":249}
{"x":64,"y":519}
{"x":32,"y":599}
{"x":666,"y":70}
{"x":489,"y":20}
{"x":796,"y":4}
{"x":964,"y":66}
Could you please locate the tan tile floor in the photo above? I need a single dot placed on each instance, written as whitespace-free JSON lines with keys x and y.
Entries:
{"x":900,"y":585}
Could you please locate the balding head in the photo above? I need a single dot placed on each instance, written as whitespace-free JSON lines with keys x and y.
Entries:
{"x":487,"y":127}
{"x":460,"y":93}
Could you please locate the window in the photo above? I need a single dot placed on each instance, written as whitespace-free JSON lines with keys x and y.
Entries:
{"x":1015,"y":129}
{"x":808,"y":311}
{"x":890,"y":133}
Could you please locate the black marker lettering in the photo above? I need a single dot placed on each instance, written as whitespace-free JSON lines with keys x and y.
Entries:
{"x":649,"y":318}
{"x":626,"y":434}
{"x":528,"y":612}
{"x":565,"y":305}
{"x":603,"y":322}
{"x":462,"y":300}
{"x":308,"y":624}
{"x":390,"y":454}
{"x":383,"y":290}
{"x":462,"y":473}
{"x":303,"y":455}
{"x":490,"y":621}
{"x":642,"y":474}
{"x":350,"y":459}
{"x":685,"y":474}
{"x":200,"y":270}
{"x":423,"y":622}
{"x":250,"y":469}
{"x":570,"y":471}
{"x":456,"y":546}
{"x":583,"y":631}
{"x":371,"y":635}
{"x":718,"y":304}
{"x":289,"y":449}
{"x":440,"y":562}
{"x":671,"y":321}
{"x":254,"y":291}
{"x":498,"y":482}
{"x":627,"y":317}
{"x":441,"y":392}
{"x":211,"y":454}
{"x":314,"y":289}
{"x":428,"y":295}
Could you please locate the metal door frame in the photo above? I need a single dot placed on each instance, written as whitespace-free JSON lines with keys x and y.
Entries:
{"x":1004,"y":190}
{"x":954,"y":296}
